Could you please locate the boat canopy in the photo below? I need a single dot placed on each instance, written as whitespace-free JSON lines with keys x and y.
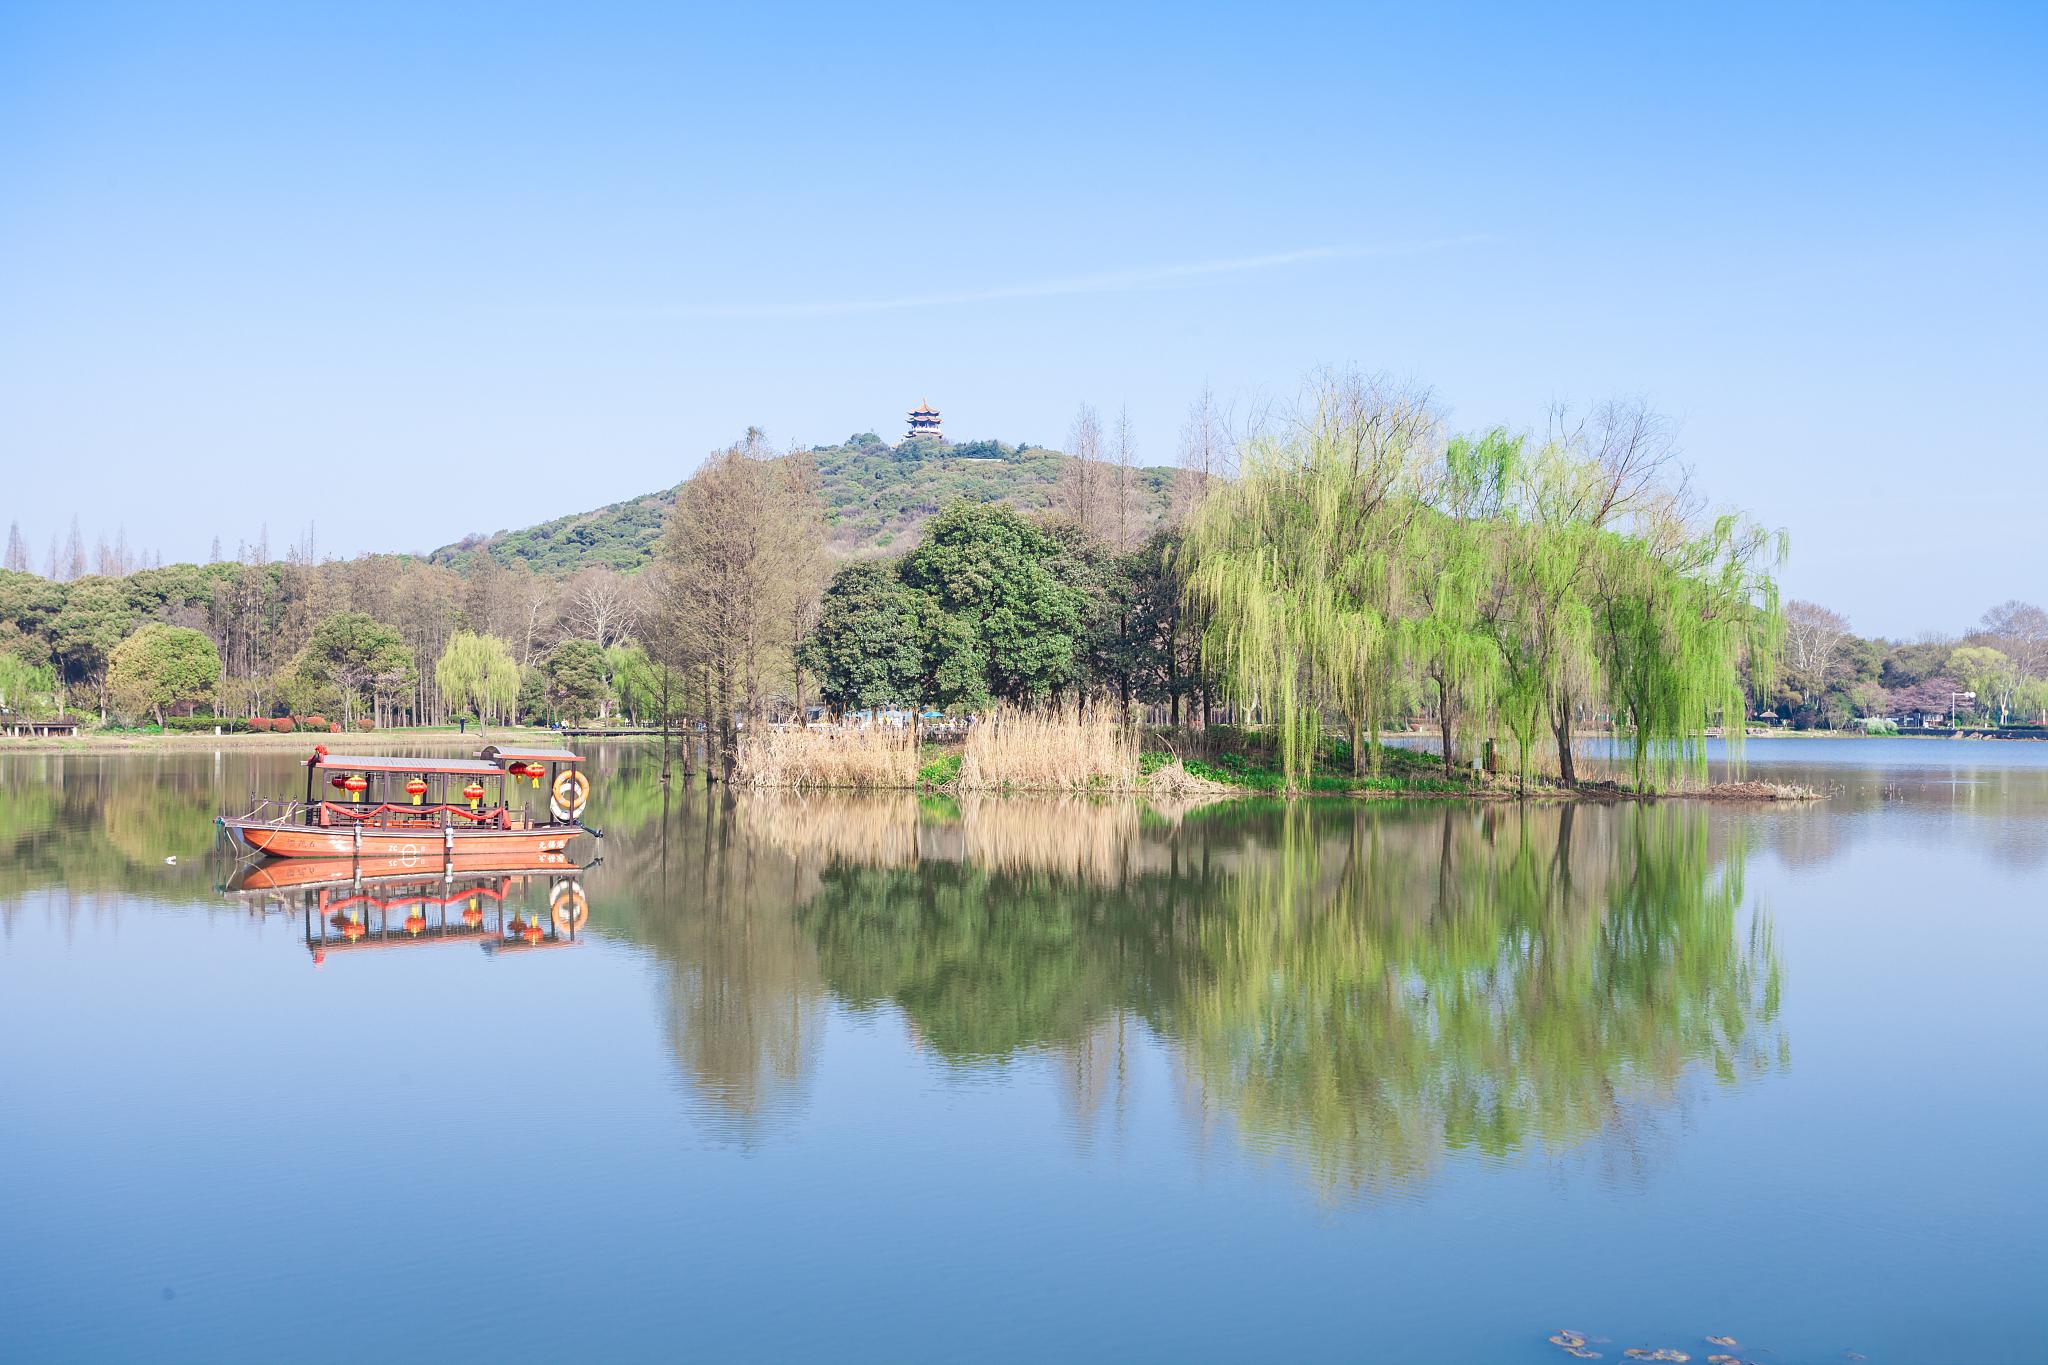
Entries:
{"x":532,"y":755}
{"x":457,"y":767}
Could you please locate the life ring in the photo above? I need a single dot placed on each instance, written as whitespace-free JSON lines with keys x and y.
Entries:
{"x":571,"y":792}
{"x":568,"y":906}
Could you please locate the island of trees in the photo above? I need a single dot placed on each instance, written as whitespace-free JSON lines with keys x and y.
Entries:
{"x":1294,"y":590}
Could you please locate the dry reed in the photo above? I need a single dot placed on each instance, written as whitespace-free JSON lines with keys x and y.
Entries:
{"x":874,"y":758}
{"x":1048,"y":751}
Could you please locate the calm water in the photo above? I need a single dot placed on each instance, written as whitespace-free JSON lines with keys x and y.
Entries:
{"x":900,"y":1079}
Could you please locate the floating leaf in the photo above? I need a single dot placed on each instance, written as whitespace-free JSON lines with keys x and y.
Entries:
{"x":1721,"y":1341}
{"x":1582,"y":1353}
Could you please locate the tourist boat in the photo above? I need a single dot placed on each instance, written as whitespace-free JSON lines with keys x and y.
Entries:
{"x":440,"y":810}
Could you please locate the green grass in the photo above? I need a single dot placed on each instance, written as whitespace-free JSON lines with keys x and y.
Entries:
{"x":1401,"y":770}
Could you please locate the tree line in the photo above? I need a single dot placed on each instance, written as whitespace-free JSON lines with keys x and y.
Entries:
{"x":1996,"y":673}
{"x":1320,"y":576}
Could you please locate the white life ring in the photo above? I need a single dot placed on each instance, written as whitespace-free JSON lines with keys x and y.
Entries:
{"x":570,"y":794}
{"x":568,"y":906}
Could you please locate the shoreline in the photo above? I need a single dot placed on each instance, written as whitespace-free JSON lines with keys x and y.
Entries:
{"x":1201,"y":789}
{"x":297,"y":739}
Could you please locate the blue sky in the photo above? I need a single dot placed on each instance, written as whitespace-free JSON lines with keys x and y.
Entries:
{"x":409,"y":271}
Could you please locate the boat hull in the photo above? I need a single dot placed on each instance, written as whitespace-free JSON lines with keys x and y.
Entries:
{"x":410,"y":847}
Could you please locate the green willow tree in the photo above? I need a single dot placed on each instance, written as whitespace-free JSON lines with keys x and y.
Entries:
{"x":476,"y":672}
{"x":1360,"y":555}
{"x":1293,"y":565}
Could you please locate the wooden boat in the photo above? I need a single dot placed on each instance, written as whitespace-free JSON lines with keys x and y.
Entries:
{"x":422,"y":810}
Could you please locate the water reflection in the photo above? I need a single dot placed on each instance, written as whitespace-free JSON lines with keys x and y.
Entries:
{"x":1360,"y":987}
{"x":349,"y":906}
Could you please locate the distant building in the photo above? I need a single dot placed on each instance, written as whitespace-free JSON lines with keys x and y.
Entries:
{"x":924,"y":423}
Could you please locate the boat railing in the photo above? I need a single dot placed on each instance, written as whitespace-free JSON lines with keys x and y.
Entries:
{"x":331,"y":814}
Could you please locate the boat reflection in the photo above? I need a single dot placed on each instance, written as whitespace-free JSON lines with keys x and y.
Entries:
{"x":348,"y":906}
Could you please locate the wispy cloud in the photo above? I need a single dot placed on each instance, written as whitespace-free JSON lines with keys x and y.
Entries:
{"x":1106,"y":282}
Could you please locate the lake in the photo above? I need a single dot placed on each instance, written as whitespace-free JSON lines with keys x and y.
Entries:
{"x":916,"y":1079}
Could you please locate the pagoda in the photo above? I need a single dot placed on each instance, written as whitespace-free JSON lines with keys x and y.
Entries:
{"x":924,"y":423}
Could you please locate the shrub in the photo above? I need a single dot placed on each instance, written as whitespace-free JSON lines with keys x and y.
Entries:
{"x":940,"y":769}
{"x":284,"y":725}
{"x":336,"y":729}
{"x":201,"y":725}
{"x":262,"y":725}
{"x":362,"y":723}
{"x":315,"y":722}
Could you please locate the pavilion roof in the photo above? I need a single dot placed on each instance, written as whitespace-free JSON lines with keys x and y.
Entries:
{"x":532,"y":755}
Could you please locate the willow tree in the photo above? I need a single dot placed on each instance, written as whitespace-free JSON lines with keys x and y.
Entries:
{"x":476,"y":672}
{"x":1451,"y":554}
{"x":1592,"y":477}
{"x":1293,"y":564}
{"x":1681,"y":613}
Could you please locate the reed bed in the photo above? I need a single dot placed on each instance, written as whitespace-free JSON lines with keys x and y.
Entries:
{"x":849,"y":758}
{"x":1049,"y":751}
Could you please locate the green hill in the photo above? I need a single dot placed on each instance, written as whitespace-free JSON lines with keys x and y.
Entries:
{"x":877,"y":497}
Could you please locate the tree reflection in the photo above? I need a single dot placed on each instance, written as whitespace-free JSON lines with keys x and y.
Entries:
{"x":742,"y":996}
{"x":1364,"y":987}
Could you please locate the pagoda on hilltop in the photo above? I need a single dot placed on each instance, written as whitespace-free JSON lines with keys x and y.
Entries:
{"x":924,"y":423}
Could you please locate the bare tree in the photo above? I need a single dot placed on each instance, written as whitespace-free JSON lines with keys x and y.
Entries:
{"x":600,"y":604}
{"x":1203,"y":454}
{"x":731,"y":553}
{"x":2021,"y":630}
{"x":1125,"y":455}
{"x":17,"y":549}
{"x":803,"y":514}
{"x":1078,"y":491}
{"x":1814,"y":637}
{"x":73,"y":564}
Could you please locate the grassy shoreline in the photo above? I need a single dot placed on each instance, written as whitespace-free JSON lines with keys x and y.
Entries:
{"x":1405,"y":775}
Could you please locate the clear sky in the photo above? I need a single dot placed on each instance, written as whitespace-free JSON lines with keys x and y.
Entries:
{"x":413,"y":270}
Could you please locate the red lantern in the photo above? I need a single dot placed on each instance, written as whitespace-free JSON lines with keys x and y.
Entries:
{"x":415,"y":923}
{"x":473,"y":916}
{"x":338,"y":781}
{"x":416,"y":788}
{"x":354,"y":930}
{"x":473,"y":794}
{"x":536,"y":772}
{"x":534,"y":932}
{"x":355,"y":785}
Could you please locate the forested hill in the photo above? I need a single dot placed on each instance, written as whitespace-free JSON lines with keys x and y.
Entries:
{"x":877,"y":497}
